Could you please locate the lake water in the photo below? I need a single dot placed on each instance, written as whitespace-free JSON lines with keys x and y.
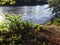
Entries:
{"x":37,"y":14}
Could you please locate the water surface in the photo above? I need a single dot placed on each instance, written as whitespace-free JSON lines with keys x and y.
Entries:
{"x":37,"y":14}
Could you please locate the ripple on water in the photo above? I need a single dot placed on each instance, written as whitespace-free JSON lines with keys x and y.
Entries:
{"x":38,"y":14}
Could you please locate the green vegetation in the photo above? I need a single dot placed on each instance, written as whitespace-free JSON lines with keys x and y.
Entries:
{"x":57,"y":21}
{"x":2,"y":2}
{"x":56,"y":7}
{"x":53,"y":3}
{"x":15,"y":31}
{"x":18,"y":32}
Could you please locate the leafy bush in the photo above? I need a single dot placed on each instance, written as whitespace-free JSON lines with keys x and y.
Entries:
{"x":18,"y":32}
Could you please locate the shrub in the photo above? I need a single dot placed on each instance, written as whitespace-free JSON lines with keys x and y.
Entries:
{"x":18,"y":32}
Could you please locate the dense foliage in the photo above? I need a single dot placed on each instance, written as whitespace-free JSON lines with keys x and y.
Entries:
{"x":18,"y":32}
{"x":2,"y":2}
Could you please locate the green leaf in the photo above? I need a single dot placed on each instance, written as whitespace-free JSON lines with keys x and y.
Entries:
{"x":12,"y":2}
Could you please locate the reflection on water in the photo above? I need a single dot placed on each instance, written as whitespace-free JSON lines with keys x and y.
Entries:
{"x":37,"y":14}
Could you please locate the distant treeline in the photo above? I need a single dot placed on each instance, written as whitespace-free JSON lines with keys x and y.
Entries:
{"x":27,"y":2}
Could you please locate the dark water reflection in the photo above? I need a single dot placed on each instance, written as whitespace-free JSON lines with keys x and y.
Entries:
{"x":37,"y":14}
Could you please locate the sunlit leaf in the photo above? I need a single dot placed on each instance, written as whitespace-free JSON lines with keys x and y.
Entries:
{"x":12,"y":2}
